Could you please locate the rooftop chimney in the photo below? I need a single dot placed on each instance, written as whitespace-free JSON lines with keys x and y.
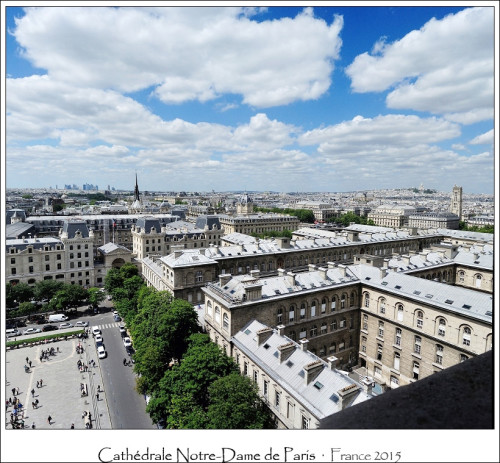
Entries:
{"x":332,"y":362}
{"x":312,"y":267}
{"x":343,"y":269}
{"x":322,"y":273}
{"x":285,"y":350}
{"x":281,"y":272}
{"x":255,"y":273}
{"x":223,"y":279}
{"x":347,"y":393}
{"x":312,"y":370}
{"x":291,"y":278}
{"x":281,"y":330}
{"x":303,"y":344}
{"x":263,"y":335}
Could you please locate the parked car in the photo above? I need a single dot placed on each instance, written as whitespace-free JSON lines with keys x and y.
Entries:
{"x":12,"y":332}
{"x":123,"y":331}
{"x":117,"y":318}
{"x":32,"y":330}
{"x":65,"y":325}
{"x":115,"y":312}
{"x":98,"y":338}
{"x":101,"y":352}
{"x":81,"y":323}
{"x":49,"y":328}
{"x":127,"y":342}
{"x":96,"y":331}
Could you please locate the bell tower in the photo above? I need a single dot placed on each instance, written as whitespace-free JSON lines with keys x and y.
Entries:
{"x":456,"y":201}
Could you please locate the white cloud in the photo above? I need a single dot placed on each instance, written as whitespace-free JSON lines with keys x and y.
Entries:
{"x":483,"y":139}
{"x":187,"y":53}
{"x":445,"y":68}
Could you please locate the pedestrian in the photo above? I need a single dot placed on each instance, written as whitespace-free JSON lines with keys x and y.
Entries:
{"x":29,"y":363}
{"x":13,"y":391}
{"x":33,"y":392}
{"x":37,"y":384}
{"x":33,"y":425}
{"x":41,"y":383}
{"x":33,"y":404}
{"x":97,"y":395}
{"x":36,"y":403}
{"x":72,"y":425}
{"x":49,"y":419}
{"x":17,"y":391}
{"x":27,"y":359}
{"x":58,"y":349}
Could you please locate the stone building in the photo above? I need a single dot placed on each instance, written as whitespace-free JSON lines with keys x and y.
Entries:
{"x":456,"y":201}
{"x":299,"y":388}
{"x":258,"y":223}
{"x":389,"y":215}
{"x":434,"y":220}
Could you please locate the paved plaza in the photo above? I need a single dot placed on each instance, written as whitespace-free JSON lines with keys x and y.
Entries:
{"x":60,"y":393}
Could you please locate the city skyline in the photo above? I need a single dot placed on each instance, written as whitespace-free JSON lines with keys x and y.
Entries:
{"x":273,"y":99}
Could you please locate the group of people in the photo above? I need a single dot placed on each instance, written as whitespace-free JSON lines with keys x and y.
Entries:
{"x":82,"y":367}
{"x":45,"y":354}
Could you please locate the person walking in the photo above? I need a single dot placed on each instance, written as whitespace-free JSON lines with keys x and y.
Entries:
{"x":49,"y":419}
{"x":33,"y":425}
{"x":72,"y":426}
{"x":14,"y":391}
{"x":97,"y":395}
{"x":41,"y":382}
{"x":32,"y":392}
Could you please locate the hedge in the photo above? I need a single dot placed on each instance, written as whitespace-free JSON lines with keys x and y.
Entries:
{"x":42,"y":338}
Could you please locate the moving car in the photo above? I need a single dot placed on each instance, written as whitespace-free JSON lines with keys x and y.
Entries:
{"x":32,"y":330}
{"x":65,"y":325}
{"x":49,"y":328}
{"x":58,"y":317}
{"x":101,"y":352}
{"x":127,"y":342}
{"x":81,"y":323}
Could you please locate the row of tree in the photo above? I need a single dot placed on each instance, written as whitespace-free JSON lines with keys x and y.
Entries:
{"x":350,"y":217}
{"x":47,"y":296}
{"x":192,"y":383}
{"x":474,"y":228}
{"x":273,"y":234}
{"x":304,"y":215}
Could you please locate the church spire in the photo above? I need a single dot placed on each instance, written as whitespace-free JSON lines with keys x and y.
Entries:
{"x":136,"y":191}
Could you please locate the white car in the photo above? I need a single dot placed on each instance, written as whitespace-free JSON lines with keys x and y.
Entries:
{"x":98,"y":338}
{"x":127,"y":342}
{"x":101,"y":353}
{"x":96,"y":331}
{"x":82,"y":323}
{"x":123,"y":331}
{"x":32,"y":330}
{"x":115,"y":312}
{"x":65,"y":325}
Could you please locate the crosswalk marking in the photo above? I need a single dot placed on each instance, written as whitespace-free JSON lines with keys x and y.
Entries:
{"x":107,"y":325}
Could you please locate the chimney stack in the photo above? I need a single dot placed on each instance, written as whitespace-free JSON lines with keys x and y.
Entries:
{"x":281,"y":330}
{"x":312,"y":370}
{"x":285,"y":350}
{"x":223,"y":279}
{"x":332,"y":362}
{"x":346,"y":393}
{"x":263,"y":335}
{"x":303,"y":344}
{"x":291,"y":278}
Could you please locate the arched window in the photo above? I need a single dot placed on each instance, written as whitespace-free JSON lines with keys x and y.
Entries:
{"x":313,"y":309}
{"x":351,"y":300}
{"x":461,"y":276}
{"x":380,"y":349}
{"x":303,"y":311}
{"x":418,"y":345}
{"x":314,"y":331}
{"x":333,"y":347}
{"x":366,"y":299}
{"x":210,"y":309}
{"x":333,"y":325}
{"x":323,"y":328}
{"x":478,"y":279}
{"x":420,"y":318}
{"x":441,"y":327}
{"x":334,"y":303}
{"x":225,"y":322}
{"x":279,"y":316}
{"x":342,"y":322}
{"x":342,"y":302}
{"x":400,"y":312}
{"x":381,"y":305}
{"x":291,"y":314}
{"x":217,"y":314}
{"x":416,"y":370}
{"x":323,"y":305}
{"x":466,"y":336}
{"x":439,"y":354}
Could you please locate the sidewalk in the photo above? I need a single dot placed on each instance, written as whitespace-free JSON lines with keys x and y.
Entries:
{"x":60,"y":395}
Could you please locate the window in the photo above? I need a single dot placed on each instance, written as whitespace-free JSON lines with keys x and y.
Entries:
{"x":291,"y":314}
{"x":323,"y":306}
{"x":323,"y":328}
{"x":363,"y":344}
{"x":210,"y":309}
{"x":342,"y":302}
{"x":289,"y":410}
{"x":30,"y":259}
{"x":314,"y":331}
{"x":303,"y":333}
{"x":279,"y":317}
{"x":333,"y":325}
{"x":302,"y":311}
{"x":416,"y":370}
{"x":277,"y":399}
{"x":225,"y":322}
{"x":305,"y":422}
{"x":394,"y":382}
{"x":313,"y":309}
{"x":342,"y":345}
{"x":59,"y":267}
{"x":380,"y":329}
{"x":199,"y":276}
{"x":30,"y":269}
{"x":365,"y":322}
{"x":47,"y":268}
{"x":13,"y":260}
{"x":378,"y":371}
{"x":367,"y":300}
{"x":334,"y":301}
{"x":461,"y":276}
{"x":441,"y":327}
{"x":380,"y":349}
{"x":439,"y":354}
{"x":47,"y":258}
{"x":333,"y":347}
{"x":13,"y":271}
{"x":342,"y":322}
{"x":255,"y":375}
{"x":382,"y":306}
{"x":418,"y":345}
{"x":58,"y":256}
{"x":463,"y":358}
{"x":245,"y":369}
{"x":217,"y":314}
{"x":396,"y":360}
{"x":466,"y":336}
{"x":478,"y":281}
{"x":397,"y":340}
{"x":266,"y":388}
{"x":400,"y":312}
{"x":420,"y":319}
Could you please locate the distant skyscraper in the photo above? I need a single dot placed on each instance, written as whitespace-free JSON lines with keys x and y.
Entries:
{"x":456,"y":201}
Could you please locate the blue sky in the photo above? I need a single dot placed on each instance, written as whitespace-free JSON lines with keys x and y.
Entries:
{"x":270,"y":99}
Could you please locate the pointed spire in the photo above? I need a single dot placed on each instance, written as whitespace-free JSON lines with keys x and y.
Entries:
{"x":136,"y":191}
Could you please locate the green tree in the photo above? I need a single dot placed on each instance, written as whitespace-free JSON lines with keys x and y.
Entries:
{"x":26,"y":308}
{"x":185,"y":413}
{"x":95,"y":296}
{"x":235,"y":404}
{"x":46,"y":289}
{"x":22,"y":292}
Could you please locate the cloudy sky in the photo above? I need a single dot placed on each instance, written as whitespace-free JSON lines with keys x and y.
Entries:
{"x":277,"y":98}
